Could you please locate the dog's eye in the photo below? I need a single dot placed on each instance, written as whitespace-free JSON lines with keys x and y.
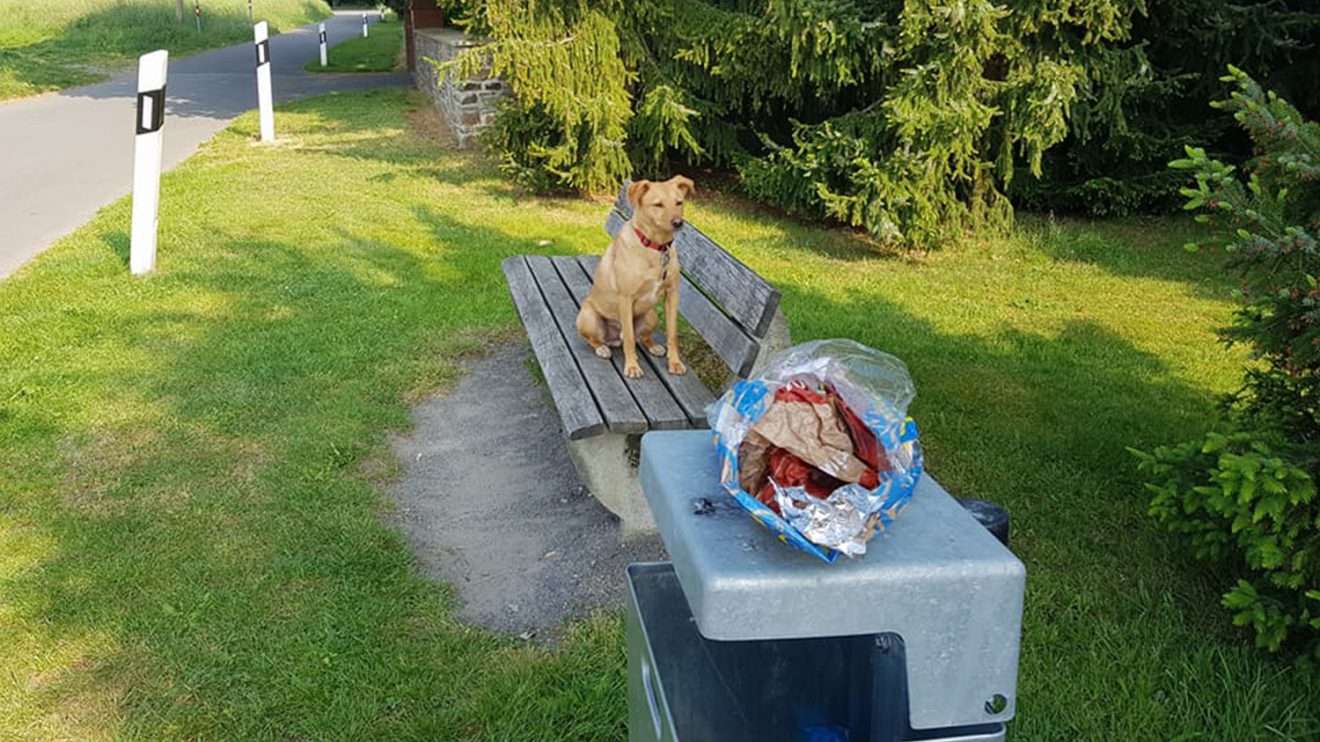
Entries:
{"x":680,"y":203}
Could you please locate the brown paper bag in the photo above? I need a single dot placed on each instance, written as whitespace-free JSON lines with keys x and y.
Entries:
{"x":813,"y":433}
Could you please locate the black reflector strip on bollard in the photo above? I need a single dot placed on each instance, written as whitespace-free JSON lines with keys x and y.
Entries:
{"x":323,"y":37}
{"x":263,"y":52}
{"x":149,"y":120}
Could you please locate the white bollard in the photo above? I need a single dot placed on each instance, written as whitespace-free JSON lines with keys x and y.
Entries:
{"x":146,"y":160}
{"x":364,"y":25}
{"x":265,"y":107}
{"x":323,"y":39}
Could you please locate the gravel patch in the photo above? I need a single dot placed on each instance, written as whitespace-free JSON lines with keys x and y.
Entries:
{"x":490,"y":503}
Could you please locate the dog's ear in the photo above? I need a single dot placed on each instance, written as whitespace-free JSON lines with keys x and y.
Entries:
{"x":636,"y":190}
{"x":685,"y":185}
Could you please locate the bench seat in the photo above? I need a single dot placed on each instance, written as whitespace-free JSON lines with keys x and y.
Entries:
{"x":593,"y":395}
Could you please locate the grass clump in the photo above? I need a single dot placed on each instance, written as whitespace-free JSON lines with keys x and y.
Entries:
{"x":190,"y":547}
{"x":379,"y":52}
{"x":53,"y":45}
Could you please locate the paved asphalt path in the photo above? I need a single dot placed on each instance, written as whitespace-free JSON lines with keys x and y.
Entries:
{"x":65,"y":155}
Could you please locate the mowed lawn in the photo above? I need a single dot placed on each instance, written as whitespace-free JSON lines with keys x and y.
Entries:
{"x":380,"y":51}
{"x":194,"y":543}
{"x":54,"y":44}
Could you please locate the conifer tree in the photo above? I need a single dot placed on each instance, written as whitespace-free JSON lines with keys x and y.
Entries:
{"x":907,"y":118}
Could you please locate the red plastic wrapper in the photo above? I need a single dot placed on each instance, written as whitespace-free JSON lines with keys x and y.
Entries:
{"x":813,"y":425}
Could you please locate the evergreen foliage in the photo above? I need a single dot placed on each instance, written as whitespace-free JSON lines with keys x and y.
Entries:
{"x":1248,"y":499}
{"x":904,"y":118}
{"x":912,"y":119}
{"x":565,"y":126}
{"x":1143,"y":100}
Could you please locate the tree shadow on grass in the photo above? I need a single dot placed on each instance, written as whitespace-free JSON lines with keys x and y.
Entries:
{"x":27,"y":71}
{"x":413,"y":152}
{"x":1137,"y":247}
{"x":120,"y":244}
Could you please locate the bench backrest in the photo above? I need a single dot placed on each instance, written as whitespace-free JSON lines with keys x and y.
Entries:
{"x":726,"y":302}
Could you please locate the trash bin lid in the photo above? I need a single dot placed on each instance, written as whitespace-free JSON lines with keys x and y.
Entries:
{"x":935,"y":577}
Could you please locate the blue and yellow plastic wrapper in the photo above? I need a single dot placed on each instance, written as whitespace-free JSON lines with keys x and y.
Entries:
{"x":877,"y":388}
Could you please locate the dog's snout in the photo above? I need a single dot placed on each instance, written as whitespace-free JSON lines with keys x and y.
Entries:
{"x":676,"y":223}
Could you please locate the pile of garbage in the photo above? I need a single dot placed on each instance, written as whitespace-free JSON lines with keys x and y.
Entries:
{"x":819,"y":448}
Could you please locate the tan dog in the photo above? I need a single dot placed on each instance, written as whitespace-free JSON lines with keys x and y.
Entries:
{"x":640,"y":264}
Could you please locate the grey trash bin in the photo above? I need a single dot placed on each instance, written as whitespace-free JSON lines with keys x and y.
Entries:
{"x":740,"y":637}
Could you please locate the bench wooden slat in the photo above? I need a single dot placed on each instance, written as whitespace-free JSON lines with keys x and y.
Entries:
{"x":577,"y":408}
{"x":692,"y":395}
{"x":650,"y":391}
{"x":723,"y":335}
{"x":621,"y":413}
{"x":744,"y":295}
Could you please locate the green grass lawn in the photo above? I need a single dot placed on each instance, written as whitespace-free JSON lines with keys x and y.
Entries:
{"x":54,"y":44}
{"x":193,"y":539}
{"x":378,"y":52}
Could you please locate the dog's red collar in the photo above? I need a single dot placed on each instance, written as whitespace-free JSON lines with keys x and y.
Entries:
{"x":657,"y":246}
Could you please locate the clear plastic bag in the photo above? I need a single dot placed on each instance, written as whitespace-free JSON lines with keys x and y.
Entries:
{"x":819,"y":448}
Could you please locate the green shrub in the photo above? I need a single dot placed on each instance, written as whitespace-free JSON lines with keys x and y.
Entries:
{"x":1241,"y":505}
{"x":1075,"y":105}
{"x":565,"y":127}
{"x":1267,"y":220}
{"x":1143,"y":100}
{"x":905,"y":118}
{"x":1248,"y":498}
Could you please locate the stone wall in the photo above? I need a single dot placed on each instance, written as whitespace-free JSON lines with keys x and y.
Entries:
{"x":468,"y":105}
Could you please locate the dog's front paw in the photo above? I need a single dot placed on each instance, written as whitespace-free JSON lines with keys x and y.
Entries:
{"x":676,"y":366}
{"x":656,"y":350}
{"x":603,"y":351}
{"x":632,"y":370}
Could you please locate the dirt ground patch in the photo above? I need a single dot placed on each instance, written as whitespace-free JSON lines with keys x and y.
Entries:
{"x":490,"y":503}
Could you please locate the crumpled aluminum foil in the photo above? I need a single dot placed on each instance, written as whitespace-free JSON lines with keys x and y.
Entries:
{"x":840,"y":521}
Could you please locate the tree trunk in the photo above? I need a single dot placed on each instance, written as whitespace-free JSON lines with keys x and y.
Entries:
{"x":178,"y":10}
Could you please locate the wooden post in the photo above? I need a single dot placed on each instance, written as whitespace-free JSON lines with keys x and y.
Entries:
{"x":265,"y":105}
{"x":409,"y":43}
{"x":321,"y":36}
{"x":419,"y":14}
{"x":146,"y":160}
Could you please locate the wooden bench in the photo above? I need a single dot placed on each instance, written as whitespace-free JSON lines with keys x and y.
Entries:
{"x":604,"y":412}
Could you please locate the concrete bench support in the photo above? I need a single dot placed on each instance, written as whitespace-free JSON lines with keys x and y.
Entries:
{"x":607,"y":465}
